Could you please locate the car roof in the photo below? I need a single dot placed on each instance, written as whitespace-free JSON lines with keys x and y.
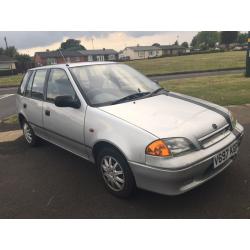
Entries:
{"x":71,"y":65}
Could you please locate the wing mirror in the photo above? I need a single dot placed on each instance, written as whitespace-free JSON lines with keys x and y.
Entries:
{"x":67,"y":101}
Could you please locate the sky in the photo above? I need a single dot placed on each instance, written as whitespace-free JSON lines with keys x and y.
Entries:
{"x":29,"y":42}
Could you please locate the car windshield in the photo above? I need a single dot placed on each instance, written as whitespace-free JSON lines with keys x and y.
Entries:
{"x":105,"y":84}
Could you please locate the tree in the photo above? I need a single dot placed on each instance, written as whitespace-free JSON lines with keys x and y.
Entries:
{"x":227,"y":37}
{"x":11,"y":51}
{"x":72,"y":44}
{"x":24,"y":62}
{"x":242,"y":38}
{"x":156,"y":45}
{"x":205,"y":40}
{"x":185,"y":45}
{"x":1,"y":51}
{"x":176,"y":43}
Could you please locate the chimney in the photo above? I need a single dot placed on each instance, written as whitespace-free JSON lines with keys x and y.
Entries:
{"x":103,"y":49}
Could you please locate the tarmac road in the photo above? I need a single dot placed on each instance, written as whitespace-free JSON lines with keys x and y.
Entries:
{"x":7,"y":102}
{"x":48,"y":182}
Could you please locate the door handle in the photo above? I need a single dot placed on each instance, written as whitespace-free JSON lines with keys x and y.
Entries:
{"x":47,"y":112}
{"x":25,"y":105}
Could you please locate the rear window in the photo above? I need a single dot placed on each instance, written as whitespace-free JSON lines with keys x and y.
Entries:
{"x":38,"y":84}
{"x":23,"y":83}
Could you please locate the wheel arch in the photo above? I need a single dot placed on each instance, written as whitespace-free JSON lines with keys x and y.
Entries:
{"x":103,"y":143}
{"x":21,"y":119}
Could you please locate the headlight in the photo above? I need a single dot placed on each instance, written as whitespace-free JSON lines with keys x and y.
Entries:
{"x":169,"y":146}
{"x":233,"y":120}
{"x":179,"y":145}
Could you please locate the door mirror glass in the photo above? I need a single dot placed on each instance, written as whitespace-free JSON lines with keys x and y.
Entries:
{"x":67,"y":101}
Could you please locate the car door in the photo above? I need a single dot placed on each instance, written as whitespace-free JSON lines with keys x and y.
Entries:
{"x":33,"y":100}
{"x":64,"y":126}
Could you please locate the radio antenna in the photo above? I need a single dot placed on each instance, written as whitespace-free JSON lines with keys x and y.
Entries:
{"x":62,"y":56}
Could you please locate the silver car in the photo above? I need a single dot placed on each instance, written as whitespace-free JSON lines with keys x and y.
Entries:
{"x":137,"y":133}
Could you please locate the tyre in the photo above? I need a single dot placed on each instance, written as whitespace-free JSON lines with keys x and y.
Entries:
{"x":29,"y":134}
{"x":115,"y":172}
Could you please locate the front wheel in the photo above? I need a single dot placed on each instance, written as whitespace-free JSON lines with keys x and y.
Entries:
{"x":115,"y":172}
{"x":29,"y":134}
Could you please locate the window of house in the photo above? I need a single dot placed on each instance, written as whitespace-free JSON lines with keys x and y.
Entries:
{"x":58,"y":85}
{"x":90,"y":58}
{"x":150,"y":53}
{"x":141,"y":53}
{"x":77,"y":59}
{"x":111,"y":57}
{"x":100,"y":58}
{"x":38,"y":84}
{"x":51,"y":61}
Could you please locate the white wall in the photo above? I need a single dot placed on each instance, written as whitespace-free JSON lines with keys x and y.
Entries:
{"x":134,"y":55}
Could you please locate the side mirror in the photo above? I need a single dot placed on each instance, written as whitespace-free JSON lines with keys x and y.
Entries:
{"x":67,"y":101}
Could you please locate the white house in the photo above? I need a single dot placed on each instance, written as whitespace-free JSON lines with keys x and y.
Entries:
{"x":141,"y":52}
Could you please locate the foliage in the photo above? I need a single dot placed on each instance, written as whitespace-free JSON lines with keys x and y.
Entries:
{"x":205,"y":40}
{"x":227,"y":37}
{"x":242,"y":38}
{"x":156,"y":44}
{"x":176,"y":43}
{"x":184,"y":44}
{"x":72,"y":44}
{"x":11,"y":52}
{"x":24,"y":62}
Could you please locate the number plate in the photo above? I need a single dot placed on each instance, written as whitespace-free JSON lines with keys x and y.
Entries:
{"x":225,"y":154}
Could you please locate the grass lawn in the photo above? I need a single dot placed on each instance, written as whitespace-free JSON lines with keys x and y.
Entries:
{"x":189,"y":63}
{"x":224,"y":90}
{"x":11,"y":80}
{"x":10,"y":120}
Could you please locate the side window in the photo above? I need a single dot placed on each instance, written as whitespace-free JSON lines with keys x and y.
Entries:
{"x":38,"y":84}
{"x":21,"y":88}
{"x":58,"y":85}
{"x":29,"y":85}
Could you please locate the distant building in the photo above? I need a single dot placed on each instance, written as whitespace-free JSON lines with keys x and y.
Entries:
{"x":7,"y":65}
{"x":172,"y":50}
{"x":55,"y":57}
{"x":141,"y":52}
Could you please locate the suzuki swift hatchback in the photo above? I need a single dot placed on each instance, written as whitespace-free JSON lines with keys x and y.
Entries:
{"x":137,"y":134}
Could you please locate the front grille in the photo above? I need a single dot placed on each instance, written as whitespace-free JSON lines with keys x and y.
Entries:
{"x":214,"y":137}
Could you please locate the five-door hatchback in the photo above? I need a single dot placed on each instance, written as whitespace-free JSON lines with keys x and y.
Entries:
{"x":137,"y":133}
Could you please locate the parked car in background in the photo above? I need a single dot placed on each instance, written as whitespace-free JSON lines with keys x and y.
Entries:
{"x":137,"y":133}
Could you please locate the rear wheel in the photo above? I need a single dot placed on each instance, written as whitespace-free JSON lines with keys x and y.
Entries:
{"x":29,"y":134}
{"x":115,"y":172}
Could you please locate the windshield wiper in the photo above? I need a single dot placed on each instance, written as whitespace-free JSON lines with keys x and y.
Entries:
{"x":131,"y":97}
{"x":156,"y":92}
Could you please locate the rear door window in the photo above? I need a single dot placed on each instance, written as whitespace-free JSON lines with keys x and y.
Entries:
{"x":22,"y":86}
{"x":38,"y":84}
{"x":29,"y":85}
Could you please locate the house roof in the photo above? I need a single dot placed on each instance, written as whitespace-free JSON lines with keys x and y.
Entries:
{"x":4,"y":59}
{"x":143,"y":48}
{"x":171,"y":47}
{"x":69,"y":53}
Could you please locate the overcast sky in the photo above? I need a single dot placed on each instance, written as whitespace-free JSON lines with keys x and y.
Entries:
{"x":32,"y":41}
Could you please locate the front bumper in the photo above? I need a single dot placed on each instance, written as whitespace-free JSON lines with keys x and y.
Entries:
{"x":181,"y":174}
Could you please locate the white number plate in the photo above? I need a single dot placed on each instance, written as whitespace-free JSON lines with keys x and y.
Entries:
{"x":225,"y":154}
